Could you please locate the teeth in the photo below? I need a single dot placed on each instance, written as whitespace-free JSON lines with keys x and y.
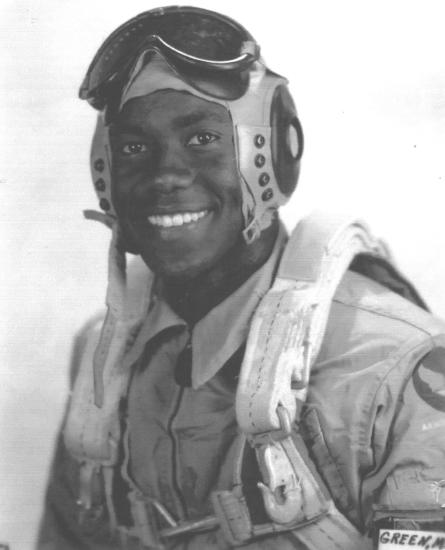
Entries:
{"x":177,"y":219}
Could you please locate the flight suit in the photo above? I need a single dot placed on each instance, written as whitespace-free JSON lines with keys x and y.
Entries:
{"x":374,"y":422}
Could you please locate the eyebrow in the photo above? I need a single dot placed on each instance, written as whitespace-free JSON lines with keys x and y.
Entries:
{"x":125,"y":128}
{"x":192,"y":118}
{"x":182,"y":121}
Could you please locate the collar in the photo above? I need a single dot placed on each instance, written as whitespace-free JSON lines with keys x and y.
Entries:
{"x":217,"y":336}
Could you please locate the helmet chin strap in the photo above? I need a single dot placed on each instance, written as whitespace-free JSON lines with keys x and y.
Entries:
{"x":115,"y":302}
{"x":115,"y":298}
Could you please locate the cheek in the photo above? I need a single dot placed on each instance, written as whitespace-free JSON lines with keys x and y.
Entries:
{"x":128,"y":180}
{"x":128,"y":172}
{"x":221,"y":173}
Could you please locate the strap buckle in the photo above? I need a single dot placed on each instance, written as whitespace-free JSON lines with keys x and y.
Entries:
{"x":282,"y":493}
{"x":281,"y":489}
{"x":147,"y":511}
{"x":145,"y":525}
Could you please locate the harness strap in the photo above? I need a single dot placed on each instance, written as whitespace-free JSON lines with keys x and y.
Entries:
{"x":288,"y":326}
{"x":284,"y":340}
{"x":283,"y":343}
{"x":92,"y":429}
{"x":332,"y":532}
{"x":313,"y":518}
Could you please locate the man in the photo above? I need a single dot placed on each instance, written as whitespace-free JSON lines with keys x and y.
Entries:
{"x":197,"y":145}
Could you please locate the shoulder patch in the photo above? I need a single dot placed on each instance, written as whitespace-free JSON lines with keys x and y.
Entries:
{"x":429,"y":379}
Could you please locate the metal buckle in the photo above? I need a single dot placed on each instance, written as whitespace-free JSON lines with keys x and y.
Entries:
{"x":281,"y":489}
{"x":147,"y":529}
{"x":198,"y":526}
{"x":145,"y":525}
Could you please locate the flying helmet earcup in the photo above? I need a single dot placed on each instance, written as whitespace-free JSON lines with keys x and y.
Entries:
{"x":287,"y":140}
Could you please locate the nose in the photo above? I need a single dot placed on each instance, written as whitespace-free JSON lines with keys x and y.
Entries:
{"x":173,"y":171}
{"x":169,"y":180}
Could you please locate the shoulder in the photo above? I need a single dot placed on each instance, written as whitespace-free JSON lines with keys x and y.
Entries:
{"x":377,"y":387}
{"x":375,"y":322}
{"x":373,"y":342}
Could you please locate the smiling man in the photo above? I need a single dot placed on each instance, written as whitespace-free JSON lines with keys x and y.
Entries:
{"x":193,"y":422}
{"x":178,"y":194}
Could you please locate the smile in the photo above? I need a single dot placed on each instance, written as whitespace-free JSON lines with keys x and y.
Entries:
{"x":178,"y":219}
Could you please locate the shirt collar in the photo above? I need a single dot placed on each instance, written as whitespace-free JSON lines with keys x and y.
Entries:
{"x":217,"y":336}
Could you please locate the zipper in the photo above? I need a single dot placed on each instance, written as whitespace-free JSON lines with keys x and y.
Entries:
{"x":182,"y":376}
{"x":174,"y":452}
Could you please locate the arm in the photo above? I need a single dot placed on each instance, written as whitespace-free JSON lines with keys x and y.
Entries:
{"x":409,"y":448}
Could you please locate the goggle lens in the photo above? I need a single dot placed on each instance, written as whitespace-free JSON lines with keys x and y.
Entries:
{"x":211,"y":51}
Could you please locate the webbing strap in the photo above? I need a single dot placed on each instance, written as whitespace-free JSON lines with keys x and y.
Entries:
{"x":288,"y":327}
{"x":312,"y":518}
{"x":284,"y":340}
{"x":332,"y":532}
{"x":92,"y":428}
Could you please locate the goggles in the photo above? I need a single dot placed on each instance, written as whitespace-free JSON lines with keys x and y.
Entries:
{"x":210,"y":51}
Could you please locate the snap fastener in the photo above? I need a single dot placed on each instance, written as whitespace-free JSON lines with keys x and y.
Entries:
{"x":267,"y":195}
{"x":104,"y":204}
{"x":264,"y":179}
{"x":259,"y":140}
{"x":99,"y":165}
{"x":260,"y":161}
{"x":100,"y":184}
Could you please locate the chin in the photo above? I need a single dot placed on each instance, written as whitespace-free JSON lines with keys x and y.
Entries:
{"x":177,"y":269}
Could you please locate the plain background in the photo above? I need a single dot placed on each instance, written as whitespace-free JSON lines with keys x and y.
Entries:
{"x":368,"y":78}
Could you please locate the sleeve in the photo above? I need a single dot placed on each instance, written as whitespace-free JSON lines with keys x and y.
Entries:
{"x":409,"y":444}
{"x":64,"y":525}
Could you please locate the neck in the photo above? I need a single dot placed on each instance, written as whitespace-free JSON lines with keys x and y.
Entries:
{"x":194,"y":298}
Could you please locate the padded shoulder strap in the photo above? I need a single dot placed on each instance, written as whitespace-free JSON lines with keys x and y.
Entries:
{"x":288,"y":326}
{"x":284,"y":340}
{"x":92,"y":431}
{"x":321,"y":238}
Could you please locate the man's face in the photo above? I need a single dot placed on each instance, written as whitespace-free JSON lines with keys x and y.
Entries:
{"x":176,"y":186}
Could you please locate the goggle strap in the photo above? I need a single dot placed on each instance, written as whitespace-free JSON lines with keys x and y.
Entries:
{"x":251,"y":48}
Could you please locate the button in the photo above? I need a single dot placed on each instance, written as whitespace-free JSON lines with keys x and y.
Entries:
{"x":267,"y":194}
{"x":259,"y":140}
{"x":264,"y":179}
{"x":260,"y":161}
{"x":104,"y":204}
{"x":100,"y":184}
{"x":99,"y":165}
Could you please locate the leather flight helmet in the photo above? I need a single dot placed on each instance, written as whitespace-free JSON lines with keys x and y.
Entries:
{"x":218,"y":60}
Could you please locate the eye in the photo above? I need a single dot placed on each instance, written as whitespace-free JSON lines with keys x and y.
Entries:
{"x":202,"y":138}
{"x":134,"y":149}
